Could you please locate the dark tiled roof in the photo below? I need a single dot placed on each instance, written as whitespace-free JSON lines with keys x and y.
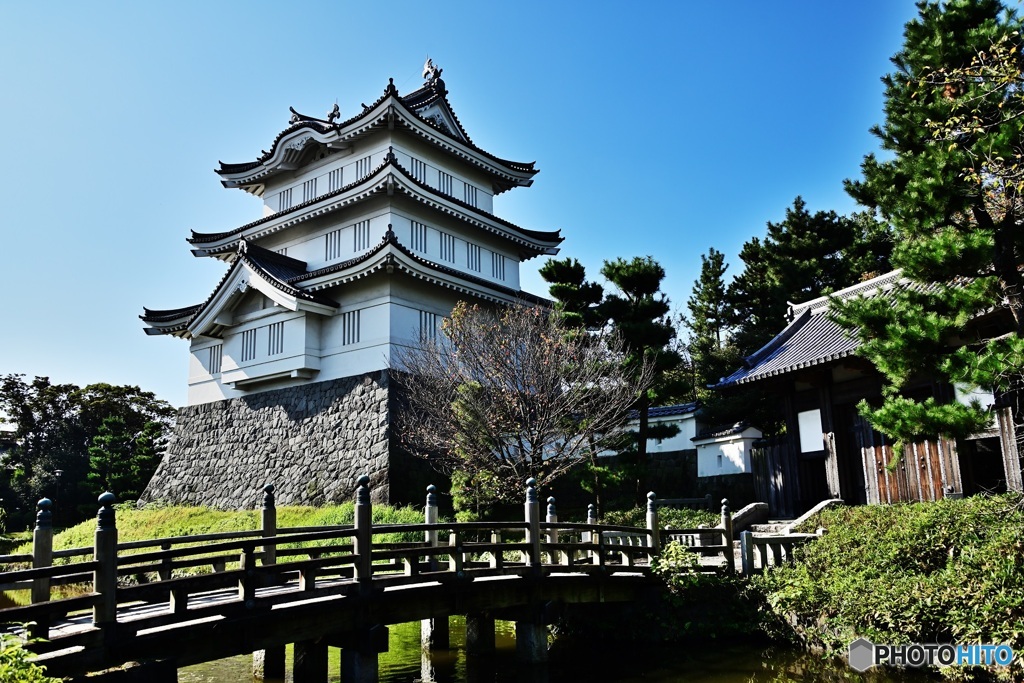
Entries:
{"x":722,"y":431}
{"x":280,"y":271}
{"x":391,"y":239}
{"x":811,"y":339}
{"x":154,"y":315}
{"x":198,"y":238}
{"x":286,"y":273}
{"x":678,"y":409}
{"x":412,"y":102}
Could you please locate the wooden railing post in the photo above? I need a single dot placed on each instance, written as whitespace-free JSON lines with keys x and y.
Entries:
{"x":730,"y":561}
{"x":592,"y":537}
{"x":652,"y":523}
{"x":104,"y":582}
{"x":552,"y":534}
{"x":430,"y":516}
{"x":247,"y":578}
{"x":532,"y":509}
{"x":42,"y":556}
{"x":364,"y":533}
{"x":747,"y":553}
{"x":269,"y":525}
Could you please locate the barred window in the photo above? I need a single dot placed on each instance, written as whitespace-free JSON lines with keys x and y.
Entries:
{"x":248,"y":345}
{"x":309,"y":189}
{"x":332,"y":248}
{"x":469,"y":194}
{"x":350,"y":328}
{"x":473,"y":257}
{"x":428,"y":326}
{"x":419,"y":170}
{"x":361,"y":236}
{"x":334,"y":180}
{"x":497,"y":266}
{"x":275,"y":339}
{"x":216,"y":352}
{"x":419,"y":237}
{"x":444,"y":183}
{"x":447,"y":247}
{"x":285,"y":200}
{"x":363,"y":167}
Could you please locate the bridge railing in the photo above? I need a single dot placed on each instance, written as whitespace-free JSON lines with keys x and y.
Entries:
{"x":270,"y":566}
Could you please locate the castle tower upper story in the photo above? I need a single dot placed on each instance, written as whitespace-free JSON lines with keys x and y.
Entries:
{"x":372,"y":228}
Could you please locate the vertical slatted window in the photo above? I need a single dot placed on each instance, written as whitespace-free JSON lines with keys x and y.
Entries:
{"x":419,"y":237}
{"x":419,"y":170}
{"x":469,"y":194}
{"x":248,"y":345}
{"x":361,"y":236}
{"x":283,"y":251}
{"x":332,"y":248}
{"x":428,"y":326}
{"x":363,"y":167}
{"x":497,"y":266}
{"x":473,"y":257}
{"x":309,"y":190}
{"x":215,"y":355}
{"x":334,"y":180}
{"x":275,"y":339}
{"x":447,"y":247}
{"x":444,"y":183}
{"x":285,"y":200}
{"x":350,"y":328}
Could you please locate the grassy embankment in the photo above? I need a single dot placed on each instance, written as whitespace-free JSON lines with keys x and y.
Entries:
{"x":950,"y":571}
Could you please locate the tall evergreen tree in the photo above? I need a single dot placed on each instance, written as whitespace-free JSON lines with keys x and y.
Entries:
{"x":711,"y":353}
{"x":958,"y":229}
{"x":639,"y":312}
{"x":576,"y":298}
{"x":802,"y":257}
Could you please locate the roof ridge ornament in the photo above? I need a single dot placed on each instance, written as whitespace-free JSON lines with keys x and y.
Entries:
{"x":390,"y":90}
{"x":334,"y":114}
{"x":432,"y":76}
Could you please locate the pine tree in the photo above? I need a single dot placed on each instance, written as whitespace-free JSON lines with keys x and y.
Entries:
{"x":576,"y":298}
{"x":711,"y":353}
{"x":803,"y":257}
{"x":639,"y":312}
{"x":958,"y":234}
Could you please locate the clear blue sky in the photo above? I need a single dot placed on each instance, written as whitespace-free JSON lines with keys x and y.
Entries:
{"x":660,"y":129}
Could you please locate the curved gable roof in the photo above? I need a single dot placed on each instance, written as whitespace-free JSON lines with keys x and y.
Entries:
{"x":532,"y":242}
{"x":508,"y":173}
{"x":812,"y":338}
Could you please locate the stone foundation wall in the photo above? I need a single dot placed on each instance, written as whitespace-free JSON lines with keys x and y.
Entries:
{"x":311,"y":442}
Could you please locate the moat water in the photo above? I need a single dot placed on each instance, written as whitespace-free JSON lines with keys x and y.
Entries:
{"x":575,"y":660}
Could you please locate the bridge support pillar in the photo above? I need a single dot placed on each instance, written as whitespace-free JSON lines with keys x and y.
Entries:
{"x":358,"y":666}
{"x":268,"y":663}
{"x":479,"y":634}
{"x":309,"y":662}
{"x":434,"y":634}
{"x":531,"y":642}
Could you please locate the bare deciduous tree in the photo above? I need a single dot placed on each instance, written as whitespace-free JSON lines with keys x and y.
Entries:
{"x":503,"y":395}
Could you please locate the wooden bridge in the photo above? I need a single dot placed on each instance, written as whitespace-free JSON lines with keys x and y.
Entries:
{"x":325,"y":586}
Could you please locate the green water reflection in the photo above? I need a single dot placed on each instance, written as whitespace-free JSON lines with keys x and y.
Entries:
{"x":572,"y":661}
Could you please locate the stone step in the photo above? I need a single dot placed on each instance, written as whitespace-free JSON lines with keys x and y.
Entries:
{"x":769,"y":528}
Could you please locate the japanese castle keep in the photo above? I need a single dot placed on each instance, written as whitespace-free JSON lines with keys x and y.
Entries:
{"x":372,"y":229}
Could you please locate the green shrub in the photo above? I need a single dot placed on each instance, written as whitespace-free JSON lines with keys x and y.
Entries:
{"x":14,"y":664}
{"x":675,"y":518}
{"x":951,"y":571}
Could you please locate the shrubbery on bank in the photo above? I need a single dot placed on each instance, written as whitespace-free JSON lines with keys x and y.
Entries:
{"x":951,"y":571}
